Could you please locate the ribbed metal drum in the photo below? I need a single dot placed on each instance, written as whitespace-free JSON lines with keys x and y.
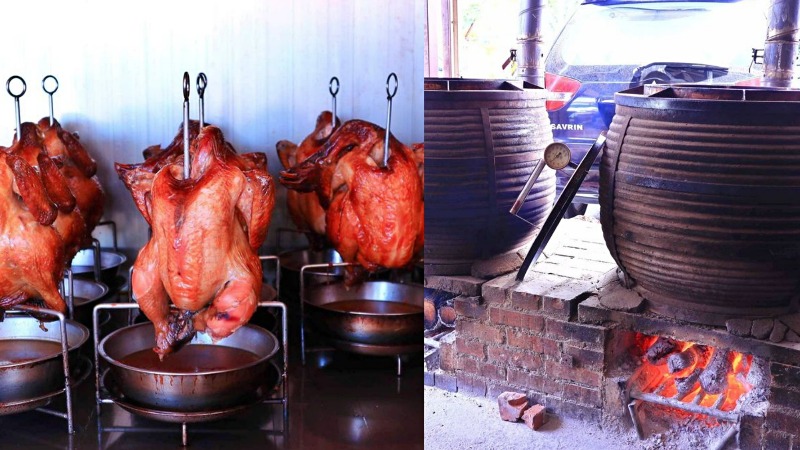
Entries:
{"x":482,"y":141}
{"x":700,"y":199}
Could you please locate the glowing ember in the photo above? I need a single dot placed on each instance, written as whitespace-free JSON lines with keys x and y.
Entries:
{"x":694,"y":373}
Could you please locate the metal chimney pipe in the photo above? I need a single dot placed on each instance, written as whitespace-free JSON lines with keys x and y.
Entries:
{"x":529,"y":57}
{"x":780,"y":49}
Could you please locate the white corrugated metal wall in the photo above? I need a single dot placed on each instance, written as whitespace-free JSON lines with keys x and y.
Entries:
{"x":268,"y":63}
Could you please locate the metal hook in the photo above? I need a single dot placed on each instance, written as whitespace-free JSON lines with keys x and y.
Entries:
{"x":389,"y":96}
{"x":16,"y":100}
{"x":186,"y":125}
{"x":333,"y":94}
{"x":50,"y":94}
{"x":202,"y":82}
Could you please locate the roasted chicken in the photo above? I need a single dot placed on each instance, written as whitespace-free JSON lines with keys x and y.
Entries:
{"x":304,"y":208}
{"x":33,"y":253}
{"x":50,"y":201}
{"x":206,"y":232}
{"x":78,"y":169}
{"x":374,"y":214}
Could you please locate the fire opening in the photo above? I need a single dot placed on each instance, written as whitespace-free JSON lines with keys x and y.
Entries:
{"x":689,"y":376}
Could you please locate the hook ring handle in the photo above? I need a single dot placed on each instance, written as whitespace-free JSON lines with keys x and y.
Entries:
{"x":186,"y":86}
{"x":389,"y":92}
{"x":202,"y":82}
{"x":331,"y":88}
{"x":44,"y":84}
{"x":8,"y":86}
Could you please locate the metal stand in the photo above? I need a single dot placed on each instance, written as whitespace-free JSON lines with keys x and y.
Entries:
{"x":102,"y":399}
{"x":282,"y":387}
{"x":65,"y":361}
{"x":303,"y":349}
{"x":560,"y":207}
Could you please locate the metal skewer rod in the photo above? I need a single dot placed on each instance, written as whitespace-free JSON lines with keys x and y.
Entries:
{"x":50,"y":94}
{"x":186,"y":165}
{"x":202,"y":82}
{"x":333,"y":95}
{"x":389,"y":96}
{"x":16,"y":101}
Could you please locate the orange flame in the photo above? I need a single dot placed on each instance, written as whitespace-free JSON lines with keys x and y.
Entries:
{"x":736,"y":377}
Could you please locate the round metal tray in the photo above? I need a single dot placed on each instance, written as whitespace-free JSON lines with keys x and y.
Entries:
{"x":374,"y":349}
{"x":79,"y":375}
{"x":273,"y":378}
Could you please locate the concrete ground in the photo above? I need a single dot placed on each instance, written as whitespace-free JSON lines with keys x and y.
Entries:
{"x":461,"y":422}
{"x":457,"y":421}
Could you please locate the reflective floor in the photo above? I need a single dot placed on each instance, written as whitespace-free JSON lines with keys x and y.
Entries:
{"x":336,"y":401}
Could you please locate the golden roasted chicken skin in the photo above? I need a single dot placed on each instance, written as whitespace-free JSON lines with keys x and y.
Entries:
{"x":374,"y":214}
{"x":33,"y":253}
{"x":206,"y":232}
{"x":304,"y":208}
{"x":79,"y":171}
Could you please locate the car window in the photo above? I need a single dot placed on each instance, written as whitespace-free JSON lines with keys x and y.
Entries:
{"x":720,"y":34}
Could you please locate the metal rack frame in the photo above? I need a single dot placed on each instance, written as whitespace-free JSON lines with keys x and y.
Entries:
{"x":303,"y":311}
{"x":282,"y":386}
{"x":62,"y":322}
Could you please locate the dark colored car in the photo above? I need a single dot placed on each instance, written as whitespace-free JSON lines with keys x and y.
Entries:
{"x":610,"y":46}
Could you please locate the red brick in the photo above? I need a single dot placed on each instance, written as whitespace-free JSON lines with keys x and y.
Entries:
{"x":582,"y":395}
{"x":493,"y":372}
{"x":594,"y":337}
{"x":495,"y":389}
{"x":511,"y":405}
{"x":515,"y":357}
{"x":586,"y":414}
{"x":470,"y":307}
{"x":526,"y":301}
{"x":534,"y":382}
{"x":483,"y":369}
{"x":445,"y":381}
{"x":534,"y":417}
{"x":472,"y":348}
{"x":579,"y":375}
{"x":461,"y":285}
{"x":558,"y":308}
{"x":471,"y":385}
{"x":469,"y":365}
{"x":781,"y":419}
{"x":495,"y":295}
{"x":533,"y":343}
{"x":530,"y":322}
{"x":480,"y":331}
{"x":776,"y":440}
{"x":785,"y":376}
{"x":784,"y":397}
{"x":585,"y":358}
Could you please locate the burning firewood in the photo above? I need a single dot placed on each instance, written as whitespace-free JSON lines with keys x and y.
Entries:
{"x":658,"y":352}
{"x":438,"y":309}
{"x":693,"y":356}
{"x":714,"y":378}
{"x":687,"y":384}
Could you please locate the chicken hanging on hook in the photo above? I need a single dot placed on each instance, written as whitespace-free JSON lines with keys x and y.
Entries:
{"x":203,"y":254}
{"x":374,"y":214}
{"x":304,"y":207}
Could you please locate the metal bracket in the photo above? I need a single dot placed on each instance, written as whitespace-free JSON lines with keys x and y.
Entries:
{"x":561,"y":205}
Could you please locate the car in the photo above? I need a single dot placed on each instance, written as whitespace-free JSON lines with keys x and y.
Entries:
{"x":611,"y":46}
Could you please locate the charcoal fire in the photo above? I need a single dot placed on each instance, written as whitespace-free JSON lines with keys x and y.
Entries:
{"x":691,"y":376}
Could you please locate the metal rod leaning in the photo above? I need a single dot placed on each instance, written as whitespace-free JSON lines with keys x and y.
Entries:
{"x":333,"y":96}
{"x":186,"y":162}
{"x":16,"y":101}
{"x":50,"y":94}
{"x":389,"y":96}
{"x":202,"y":82}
